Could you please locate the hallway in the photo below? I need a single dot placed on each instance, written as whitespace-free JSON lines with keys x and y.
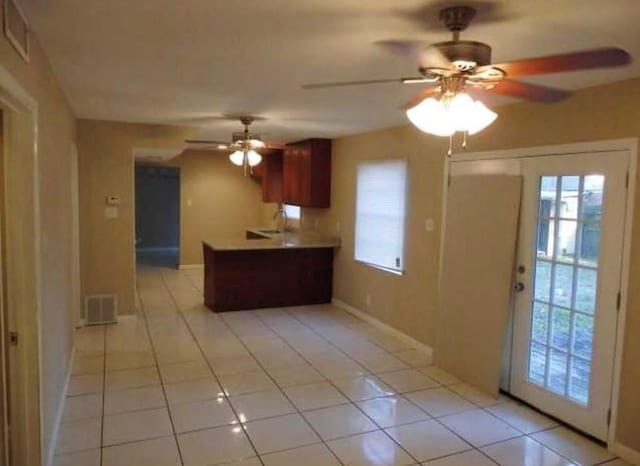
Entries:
{"x":180,"y":385}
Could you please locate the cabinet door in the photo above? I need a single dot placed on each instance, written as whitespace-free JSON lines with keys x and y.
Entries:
{"x":272,"y":189}
{"x":292,"y":168}
{"x":316,"y":275}
{"x":307,"y":173}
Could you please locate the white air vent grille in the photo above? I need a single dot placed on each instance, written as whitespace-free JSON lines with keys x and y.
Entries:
{"x":101,"y":309}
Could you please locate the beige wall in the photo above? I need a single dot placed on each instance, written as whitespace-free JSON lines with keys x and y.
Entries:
{"x":56,"y":133}
{"x":105,"y":165}
{"x":223,"y":202}
{"x":409,"y":302}
{"x":216,"y":201}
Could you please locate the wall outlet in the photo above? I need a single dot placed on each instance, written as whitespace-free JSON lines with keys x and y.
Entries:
{"x":337,"y":226}
{"x":368,"y":299}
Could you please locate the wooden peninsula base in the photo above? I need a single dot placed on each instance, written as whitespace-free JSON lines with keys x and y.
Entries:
{"x":261,"y":275}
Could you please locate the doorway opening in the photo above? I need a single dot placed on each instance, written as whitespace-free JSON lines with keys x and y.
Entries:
{"x":21,"y":431}
{"x":157,"y":194}
{"x":5,"y":380}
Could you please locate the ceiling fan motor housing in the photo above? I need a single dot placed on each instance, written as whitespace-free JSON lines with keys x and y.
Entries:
{"x":466,"y":54}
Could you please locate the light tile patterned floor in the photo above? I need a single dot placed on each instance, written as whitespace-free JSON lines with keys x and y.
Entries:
{"x":179,"y":385}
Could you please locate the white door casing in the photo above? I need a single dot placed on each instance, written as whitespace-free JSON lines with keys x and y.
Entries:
{"x":512,"y":162}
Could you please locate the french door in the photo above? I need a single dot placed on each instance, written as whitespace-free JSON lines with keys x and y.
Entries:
{"x":561,"y":345}
{"x":568,"y":279}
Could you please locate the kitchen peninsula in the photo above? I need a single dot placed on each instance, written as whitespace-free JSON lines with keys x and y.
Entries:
{"x":272,"y":270}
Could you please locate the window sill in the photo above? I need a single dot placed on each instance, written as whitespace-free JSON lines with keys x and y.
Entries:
{"x":382,"y":269}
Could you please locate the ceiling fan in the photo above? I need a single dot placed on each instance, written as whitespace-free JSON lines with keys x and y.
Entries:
{"x":457,"y":70}
{"x":244,"y":146}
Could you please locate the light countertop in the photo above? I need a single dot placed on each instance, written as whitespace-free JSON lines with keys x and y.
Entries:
{"x":287,"y":240}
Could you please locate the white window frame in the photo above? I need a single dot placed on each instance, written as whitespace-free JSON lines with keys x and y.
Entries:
{"x":402,"y":269}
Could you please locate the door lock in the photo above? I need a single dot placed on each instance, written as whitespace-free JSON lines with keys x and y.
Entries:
{"x":519,"y":287}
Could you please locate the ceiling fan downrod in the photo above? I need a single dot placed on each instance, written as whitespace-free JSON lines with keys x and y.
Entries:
{"x":457,"y":19}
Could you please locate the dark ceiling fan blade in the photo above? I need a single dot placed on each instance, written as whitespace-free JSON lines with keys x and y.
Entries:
{"x":348,"y":83}
{"x":358,"y":83}
{"x":426,"y":57}
{"x":432,"y":57}
{"x":527,"y":91}
{"x":403,"y":48}
{"x":420,"y":96}
{"x":205,"y":141}
{"x":586,"y":59}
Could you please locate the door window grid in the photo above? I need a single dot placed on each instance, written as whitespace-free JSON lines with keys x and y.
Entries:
{"x":563,"y":368}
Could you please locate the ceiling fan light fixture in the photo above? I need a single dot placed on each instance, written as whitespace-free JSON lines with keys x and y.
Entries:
{"x":237,"y":158}
{"x":430,"y":117}
{"x":482,"y":118}
{"x":257,"y":143}
{"x":253,"y":158}
{"x":450,"y":114}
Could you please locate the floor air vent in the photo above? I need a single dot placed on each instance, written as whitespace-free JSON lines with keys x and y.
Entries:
{"x":101,"y":309}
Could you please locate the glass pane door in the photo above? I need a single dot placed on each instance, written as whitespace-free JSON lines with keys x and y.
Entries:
{"x":565,"y":283}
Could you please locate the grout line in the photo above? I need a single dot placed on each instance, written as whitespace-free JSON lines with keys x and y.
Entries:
{"x":104,"y":390}
{"x":283,"y":393}
{"x":215,"y":376}
{"x":256,"y":316}
{"x":335,"y":387}
{"x":277,"y":388}
{"x":155,"y":357}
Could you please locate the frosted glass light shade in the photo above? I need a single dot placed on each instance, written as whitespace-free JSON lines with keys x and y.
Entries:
{"x":483,"y":117}
{"x":445,"y":117}
{"x":430,"y":116}
{"x":254,"y":158}
{"x":237,"y":158}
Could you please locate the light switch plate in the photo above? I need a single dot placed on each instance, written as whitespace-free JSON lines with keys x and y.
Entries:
{"x":111,"y":212}
{"x":429,"y":225}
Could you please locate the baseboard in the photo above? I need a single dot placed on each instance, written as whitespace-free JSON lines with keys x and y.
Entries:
{"x":190,"y":266}
{"x":51,"y":448}
{"x":628,"y":454}
{"x":384,"y":327}
{"x":158,"y":249}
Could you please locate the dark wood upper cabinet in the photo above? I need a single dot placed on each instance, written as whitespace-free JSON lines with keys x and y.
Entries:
{"x":307,"y":173}
{"x":272,"y":187}
{"x":269,"y":174}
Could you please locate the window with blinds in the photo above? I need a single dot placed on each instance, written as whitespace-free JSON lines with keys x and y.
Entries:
{"x":380,"y":213}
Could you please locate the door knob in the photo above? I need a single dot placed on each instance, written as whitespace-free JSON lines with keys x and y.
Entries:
{"x":519,"y":286}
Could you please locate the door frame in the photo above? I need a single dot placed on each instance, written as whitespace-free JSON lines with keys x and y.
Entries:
{"x":612,"y":145}
{"x":22,"y":196}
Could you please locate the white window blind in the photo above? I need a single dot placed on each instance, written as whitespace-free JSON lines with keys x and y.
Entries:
{"x":380,"y":213}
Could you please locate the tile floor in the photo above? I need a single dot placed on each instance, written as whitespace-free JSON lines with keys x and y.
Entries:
{"x":179,"y":385}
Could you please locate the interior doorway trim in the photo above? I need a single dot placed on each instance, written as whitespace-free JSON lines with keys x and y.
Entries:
{"x":22,"y":213}
{"x":629,"y":145}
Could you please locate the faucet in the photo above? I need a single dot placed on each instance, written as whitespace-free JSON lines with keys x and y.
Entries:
{"x":281,"y":213}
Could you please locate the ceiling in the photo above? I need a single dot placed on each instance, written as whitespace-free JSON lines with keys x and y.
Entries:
{"x":193,"y":62}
